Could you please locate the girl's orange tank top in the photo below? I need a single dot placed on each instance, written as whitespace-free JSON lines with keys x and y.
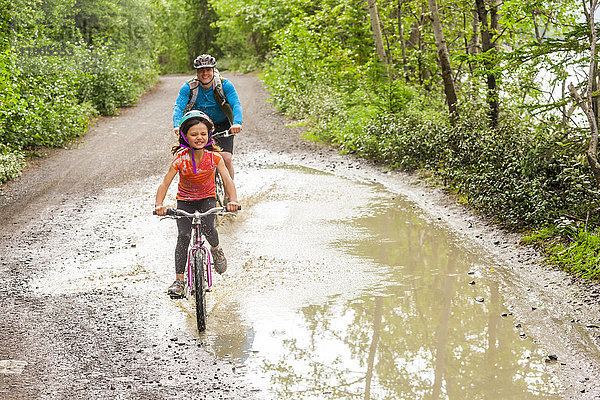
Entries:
{"x":200,"y":185}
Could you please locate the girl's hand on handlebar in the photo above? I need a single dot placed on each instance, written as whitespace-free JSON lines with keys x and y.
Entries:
{"x":161,"y":210}
{"x":235,"y":129}
{"x":232,"y":206}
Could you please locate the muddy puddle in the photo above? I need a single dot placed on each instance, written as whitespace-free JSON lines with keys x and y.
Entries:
{"x":336,"y":289}
{"x":346,"y":291}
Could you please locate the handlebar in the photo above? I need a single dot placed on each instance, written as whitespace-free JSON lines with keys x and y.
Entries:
{"x":175,"y":212}
{"x":223,"y":134}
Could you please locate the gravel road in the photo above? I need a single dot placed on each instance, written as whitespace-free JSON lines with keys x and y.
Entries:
{"x":108,"y":342}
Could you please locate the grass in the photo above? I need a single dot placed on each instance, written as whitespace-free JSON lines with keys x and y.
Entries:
{"x":578,"y":254}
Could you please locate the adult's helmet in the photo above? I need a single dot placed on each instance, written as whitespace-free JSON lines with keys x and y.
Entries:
{"x":205,"y":61}
{"x":190,"y":116}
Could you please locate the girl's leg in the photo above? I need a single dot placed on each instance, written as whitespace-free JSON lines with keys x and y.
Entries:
{"x":208,"y":222}
{"x":212,"y":236}
{"x":184,"y":226}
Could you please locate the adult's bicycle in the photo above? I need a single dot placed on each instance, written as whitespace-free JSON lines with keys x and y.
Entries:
{"x":198,"y":277}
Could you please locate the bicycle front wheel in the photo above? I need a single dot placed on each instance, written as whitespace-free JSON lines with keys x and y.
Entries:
{"x":200,"y":288}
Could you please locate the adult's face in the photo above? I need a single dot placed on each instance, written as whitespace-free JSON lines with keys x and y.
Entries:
{"x":205,"y":75}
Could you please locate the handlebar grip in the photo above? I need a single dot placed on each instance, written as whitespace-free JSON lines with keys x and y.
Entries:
{"x":170,"y":211}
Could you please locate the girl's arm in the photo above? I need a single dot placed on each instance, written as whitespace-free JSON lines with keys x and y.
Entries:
{"x":232,"y":206}
{"x":162,"y":191}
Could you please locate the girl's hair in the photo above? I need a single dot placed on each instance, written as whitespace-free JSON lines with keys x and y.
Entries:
{"x":183,"y":131}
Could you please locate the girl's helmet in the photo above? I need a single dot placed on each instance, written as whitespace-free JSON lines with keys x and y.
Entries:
{"x":191,"y":116}
{"x":205,"y":61}
{"x":189,"y":119}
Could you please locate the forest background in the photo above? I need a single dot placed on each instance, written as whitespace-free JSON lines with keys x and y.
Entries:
{"x":496,"y":100}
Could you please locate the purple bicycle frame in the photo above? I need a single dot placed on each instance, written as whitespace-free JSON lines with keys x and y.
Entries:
{"x":196,"y":247}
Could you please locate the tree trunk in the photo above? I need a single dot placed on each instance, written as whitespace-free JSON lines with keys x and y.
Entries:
{"x":592,"y":151}
{"x":587,"y":105}
{"x":487,"y":33}
{"x":444,"y":60}
{"x":377,"y":35}
{"x":402,"y":40}
{"x":474,"y":42}
{"x":595,"y":97}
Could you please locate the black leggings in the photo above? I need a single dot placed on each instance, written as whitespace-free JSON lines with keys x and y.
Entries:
{"x":184,"y":225}
{"x":225,"y":143}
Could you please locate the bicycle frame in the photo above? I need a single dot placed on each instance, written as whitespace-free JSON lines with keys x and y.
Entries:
{"x":198,"y":244}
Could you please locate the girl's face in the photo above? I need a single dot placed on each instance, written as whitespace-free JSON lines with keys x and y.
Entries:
{"x":197,"y":136}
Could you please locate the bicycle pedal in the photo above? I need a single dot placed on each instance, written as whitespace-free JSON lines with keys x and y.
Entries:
{"x":175,"y":297}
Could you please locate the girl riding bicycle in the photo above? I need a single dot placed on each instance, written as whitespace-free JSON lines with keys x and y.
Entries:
{"x":196,"y":159}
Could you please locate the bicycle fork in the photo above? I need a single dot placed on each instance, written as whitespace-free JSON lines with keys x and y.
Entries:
{"x":198,"y":245}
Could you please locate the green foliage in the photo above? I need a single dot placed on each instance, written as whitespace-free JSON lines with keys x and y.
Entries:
{"x":109,"y":79}
{"x":4,"y":24}
{"x":170,"y":46}
{"x":184,"y":30}
{"x":11,"y":163}
{"x":51,"y":118}
{"x":529,"y":171}
{"x":520,"y":175}
{"x":318,"y":63}
{"x":568,"y":245}
{"x":56,"y":74}
{"x":580,"y":257}
{"x":245,"y":29}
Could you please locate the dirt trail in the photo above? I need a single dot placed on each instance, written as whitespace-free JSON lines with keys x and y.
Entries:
{"x":95,"y":344}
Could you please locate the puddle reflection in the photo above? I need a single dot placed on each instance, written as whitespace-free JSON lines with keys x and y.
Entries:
{"x":359,"y":297}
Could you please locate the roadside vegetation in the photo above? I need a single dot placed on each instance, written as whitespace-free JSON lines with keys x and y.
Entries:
{"x":61,"y":64}
{"x":496,"y":101}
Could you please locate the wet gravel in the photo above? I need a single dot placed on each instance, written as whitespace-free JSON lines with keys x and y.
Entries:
{"x":100,"y":341}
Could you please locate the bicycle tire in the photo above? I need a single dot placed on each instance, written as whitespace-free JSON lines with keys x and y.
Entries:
{"x":220,"y":190}
{"x":199,"y":288}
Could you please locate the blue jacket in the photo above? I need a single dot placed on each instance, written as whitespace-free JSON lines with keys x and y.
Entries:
{"x":205,"y":102}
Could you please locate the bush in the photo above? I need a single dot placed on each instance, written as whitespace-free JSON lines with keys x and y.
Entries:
{"x":48,"y":100}
{"x":11,"y":163}
{"x":111,"y":78}
{"x":519,"y":175}
{"x":44,"y":110}
{"x":580,"y":257}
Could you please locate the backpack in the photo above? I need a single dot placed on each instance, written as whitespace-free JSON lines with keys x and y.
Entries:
{"x":218,"y":93}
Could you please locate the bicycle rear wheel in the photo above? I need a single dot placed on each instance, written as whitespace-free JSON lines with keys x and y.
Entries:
{"x":220,"y":193}
{"x":199,"y":288}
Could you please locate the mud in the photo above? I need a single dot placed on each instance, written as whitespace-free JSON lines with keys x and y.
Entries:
{"x":84,"y":313}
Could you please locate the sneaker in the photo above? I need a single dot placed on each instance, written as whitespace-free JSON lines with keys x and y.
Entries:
{"x":219,"y":260}
{"x":177,"y":289}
